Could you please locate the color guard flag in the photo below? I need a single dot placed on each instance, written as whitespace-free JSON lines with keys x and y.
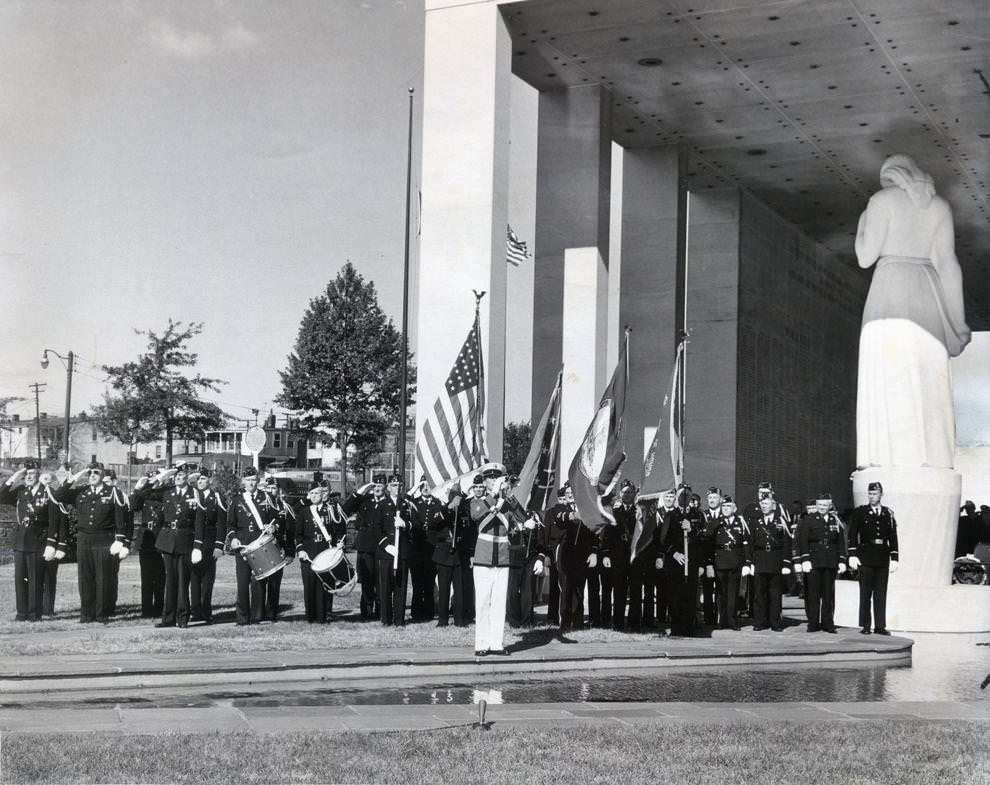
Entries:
{"x":660,"y":477}
{"x":538,"y":477}
{"x":595,"y":468}
{"x":453,"y":439}
{"x":515,"y":249}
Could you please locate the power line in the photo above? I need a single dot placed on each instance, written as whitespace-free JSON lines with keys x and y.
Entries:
{"x":38,"y":387}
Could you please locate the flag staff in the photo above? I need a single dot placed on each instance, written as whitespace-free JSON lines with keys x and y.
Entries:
{"x":403,"y":390}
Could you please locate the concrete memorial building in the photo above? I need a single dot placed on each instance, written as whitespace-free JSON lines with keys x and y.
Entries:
{"x":751,"y":138}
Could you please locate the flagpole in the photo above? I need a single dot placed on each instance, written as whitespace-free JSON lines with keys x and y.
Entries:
{"x":403,"y":390}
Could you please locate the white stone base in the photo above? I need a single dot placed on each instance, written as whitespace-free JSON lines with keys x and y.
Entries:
{"x":956,"y":608}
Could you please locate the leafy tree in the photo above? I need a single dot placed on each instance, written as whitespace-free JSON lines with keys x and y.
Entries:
{"x":345,"y":372}
{"x":154,"y":397}
{"x":516,"y":438}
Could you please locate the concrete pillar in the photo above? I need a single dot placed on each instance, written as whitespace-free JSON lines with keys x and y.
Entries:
{"x":465,"y":173}
{"x":572,"y":215}
{"x":583,"y":348}
{"x":653,"y":232}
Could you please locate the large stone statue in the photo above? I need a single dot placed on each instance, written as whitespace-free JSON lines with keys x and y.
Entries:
{"x":912,"y":324}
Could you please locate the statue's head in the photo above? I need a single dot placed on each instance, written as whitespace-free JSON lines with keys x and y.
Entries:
{"x":900,"y":171}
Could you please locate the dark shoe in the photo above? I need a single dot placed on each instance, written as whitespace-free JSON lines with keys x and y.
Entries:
{"x":441,"y":624}
{"x":162,"y":624}
{"x":208,"y":621}
{"x":481,"y":652}
{"x":20,"y":617}
{"x":864,"y":631}
{"x":182,"y":624}
{"x":777,"y":629}
{"x":736,"y":627}
{"x":881,"y":631}
{"x":812,"y":628}
{"x":499,"y":652}
{"x":830,"y":630}
{"x":758,"y":628}
{"x":243,"y":623}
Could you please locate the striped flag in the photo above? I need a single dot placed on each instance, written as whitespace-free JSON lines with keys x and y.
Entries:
{"x":515,"y":249}
{"x":662,"y":477}
{"x":452,"y":442}
{"x":538,"y":477}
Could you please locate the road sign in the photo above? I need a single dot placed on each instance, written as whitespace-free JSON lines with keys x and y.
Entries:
{"x":255,"y":438}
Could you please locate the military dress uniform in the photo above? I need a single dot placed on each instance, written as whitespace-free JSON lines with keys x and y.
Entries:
{"x":250,"y":515}
{"x":149,"y":559}
{"x":175,"y":543}
{"x":577,"y":544}
{"x":36,"y":514}
{"x":210,"y":512}
{"x":100,"y":522}
{"x":550,"y":536}
{"x":318,"y":527}
{"x":646,"y":603}
{"x":524,"y":552}
{"x":681,"y":589}
{"x":873,"y":540}
{"x":422,"y":572}
{"x":393,"y":573}
{"x":706,"y":554}
{"x":364,"y":507}
{"x":492,"y":521}
{"x":615,"y":544}
{"x":449,"y":528}
{"x":731,"y":554}
{"x":770,"y":541}
{"x":822,"y":542}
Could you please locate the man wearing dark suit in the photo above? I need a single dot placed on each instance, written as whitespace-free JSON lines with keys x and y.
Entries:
{"x":646,"y":561}
{"x":152,"y":567}
{"x":210,"y":510}
{"x":822,"y":544}
{"x":525,"y":563}
{"x":449,"y":529}
{"x":577,"y":552}
{"x":319,"y":525}
{"x":615,"y":550}
{"x":249,"y":515}
{"x":681,"y":526}
{"x":364,"y":504}
{"x":35,"y":515}
{"x":422,"y":572}
{"x":731,"y":544}
{"x":102,"y":539}
{"x":770,"y":541}
{"x":873,"y":552}
{"x":175,"y":543}
{"x":392,"y":520}
{"x":549,"y":541}
{"x":706,"y":554}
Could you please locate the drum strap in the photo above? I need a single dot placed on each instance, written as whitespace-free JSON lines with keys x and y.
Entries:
{"x":254,"y":511}
{"x":319,"y":523}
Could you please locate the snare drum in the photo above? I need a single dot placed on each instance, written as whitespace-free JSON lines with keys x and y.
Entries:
{"x":334,"y":571}
{"x":264,"y":557}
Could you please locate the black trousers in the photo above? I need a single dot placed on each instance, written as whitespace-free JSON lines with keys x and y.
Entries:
{"x":152,"y":583}
{"x":682,"y":597}
{"x":49,"y":584}
{"x":272,"y":596}
{"x":250,"y":594}
{"x":728,"y":595}
{"x":767,"y":593}
{"x":96,"y":575}
{"x":644,"y":580}
{"x":449,"y":581}
{"x":467,"y":584}
{"x":421,"y":575}
{"x":521,"y":597}
{"x":201,"y":582}
{"x":392,"y":592}
{"x":709,"y":595}
{"x":178,"y":572}
{"x":821,"y":598}
{"x":366,"y":566}
{"x":317,"y":601}
{"x":572,"y":580}
{"x":553,"y":593}
{"x":29,"y":567}
{"x":593,"y":581}
{"x":873,"y":587}
{"x":615,"y":583}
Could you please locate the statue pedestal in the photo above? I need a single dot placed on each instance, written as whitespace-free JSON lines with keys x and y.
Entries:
{"x":920,"y":595}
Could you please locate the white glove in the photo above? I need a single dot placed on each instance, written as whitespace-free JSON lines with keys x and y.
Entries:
{"x":798,"y":569}
{"x":806,"y":566}
{"x":893,"y":565}
{"x":529,"y":524}
{"x":593,"y":560}
{"x":538,"y":567}
{"x":124,"y":552}
{"x":390,"y":549}
{"x":659,"y":563}
{"x":49,"y":552}
{"x":197,"y":556}
{"x":45,"y":480}
{"x":217,"y":553}
{"x":680,"y":558}
{"x":842,"y":568}
{"x":747,"y":570}
{"x":399,"y":523}
{"x":701,"y":572}
{"x":59,"y":555}
{"x":606,"y":562}
{"x":686,"y":526}
{"x":303,"y":556}
{"x":785,"y":570}
{"x":235,"y":544}
{"x":115,"y":547}
{"x":709,"y":571}
{"x":365,"y":488}
{"x":471,"y":561}
{"x":854,"y":562}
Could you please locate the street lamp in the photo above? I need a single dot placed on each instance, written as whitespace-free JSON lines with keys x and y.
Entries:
{"x":69,"y":363}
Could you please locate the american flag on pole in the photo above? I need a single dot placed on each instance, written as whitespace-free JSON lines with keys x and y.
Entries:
{"x":515,"y":249}
{"x":452,"y":442}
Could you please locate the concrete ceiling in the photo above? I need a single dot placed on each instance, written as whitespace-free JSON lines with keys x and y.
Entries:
{"x":798,"y":101}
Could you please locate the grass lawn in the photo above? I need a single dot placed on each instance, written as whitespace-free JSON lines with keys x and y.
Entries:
{"x":901,"y":752}
{"x":129,"y":633}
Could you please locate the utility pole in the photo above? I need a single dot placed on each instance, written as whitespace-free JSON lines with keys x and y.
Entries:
{"x":37,"y":387}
